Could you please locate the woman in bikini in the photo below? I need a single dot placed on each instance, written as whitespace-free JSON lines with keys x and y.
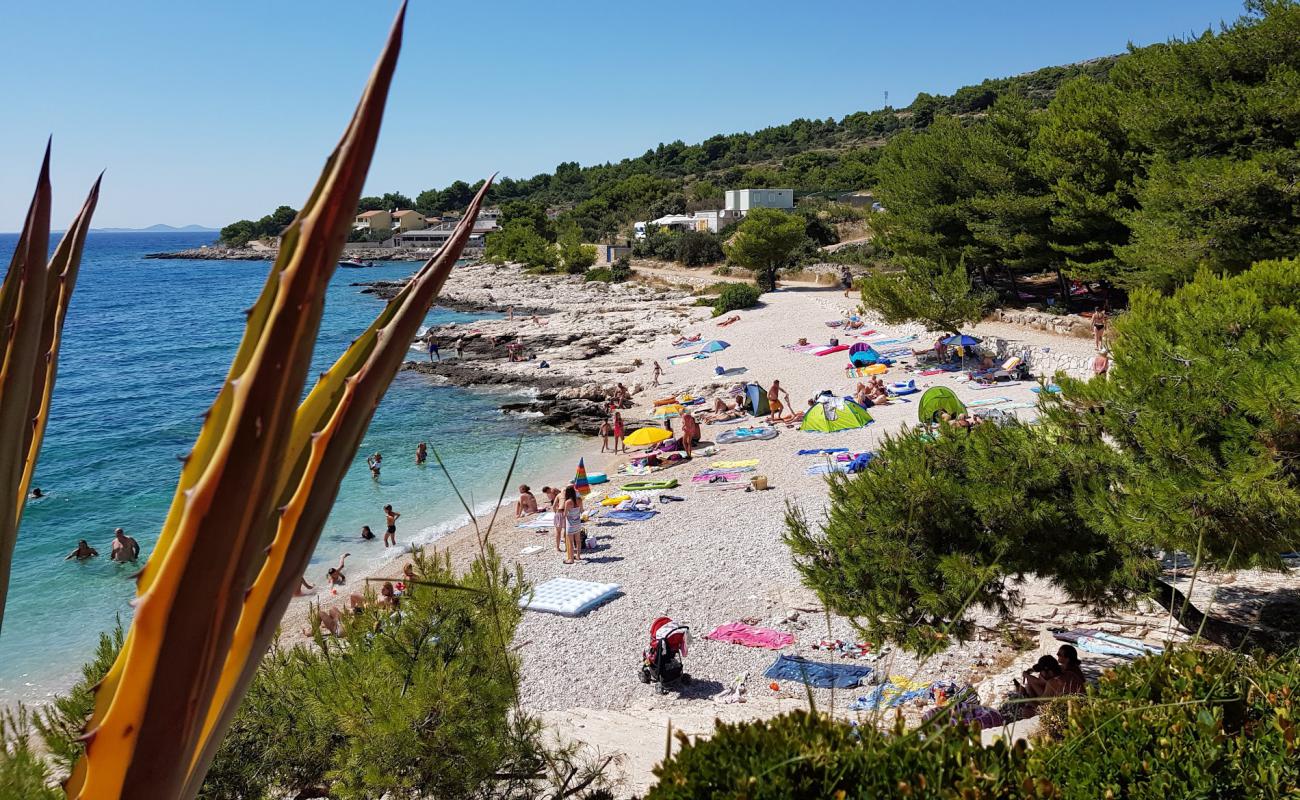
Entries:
{"x":573,"y":529}
{"x":390,"y":533}
{"x":1098,"y":326}
{"x":618,"y":432}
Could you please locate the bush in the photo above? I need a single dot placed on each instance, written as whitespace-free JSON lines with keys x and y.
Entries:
{"x":722,"y":271}
{"x":434,"y":684}
{"x":621,"y":270}
{"x":697,"y":248}
{"x":735,"y":296}
{"x":604,"y":274}
{"x":1185,"y":724}
{"x":807,"y":755}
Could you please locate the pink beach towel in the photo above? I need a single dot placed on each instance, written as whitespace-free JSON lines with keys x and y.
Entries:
{"x":837,"y":349}
{"x":750,"y":636}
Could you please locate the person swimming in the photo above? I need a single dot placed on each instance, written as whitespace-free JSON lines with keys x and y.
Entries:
{"x":84,"y":551}
{"x":375,"y":462}
{"x":366,"y":533}
{"x":421,"y":453}
{"x":37,"y":494}
{"x":334,"y":575}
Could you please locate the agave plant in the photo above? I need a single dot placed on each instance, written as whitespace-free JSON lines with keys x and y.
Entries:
{"x":253,"y":494}
{"x":33,"y":304}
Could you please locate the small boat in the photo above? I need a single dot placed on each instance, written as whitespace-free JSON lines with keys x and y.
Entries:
{"x":352,"y":263}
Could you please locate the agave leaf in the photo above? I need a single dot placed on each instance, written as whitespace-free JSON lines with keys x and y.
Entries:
{"x":151,"y":706}
{"x":327,"y":432}
{"x":62,"y":279}
{"x":33,"y":304}
{"x":22,"y":317}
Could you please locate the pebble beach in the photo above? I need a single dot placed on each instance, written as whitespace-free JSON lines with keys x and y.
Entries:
{"x":718,"y":556}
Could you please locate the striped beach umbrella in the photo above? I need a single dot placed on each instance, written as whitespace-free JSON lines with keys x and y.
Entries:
{"x":580,"y":480}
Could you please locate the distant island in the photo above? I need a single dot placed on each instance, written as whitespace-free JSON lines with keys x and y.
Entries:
{"x":158,"y":229}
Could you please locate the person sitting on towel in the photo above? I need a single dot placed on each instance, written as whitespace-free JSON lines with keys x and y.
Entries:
{"x":527,"y":502}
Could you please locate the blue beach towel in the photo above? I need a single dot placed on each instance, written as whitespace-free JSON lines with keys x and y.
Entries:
{"x":630,"y":516}
{"x":823,"y":451}
{"x":826,"y":469}
{"x":815,"y":673}
{"x":887,"y":695}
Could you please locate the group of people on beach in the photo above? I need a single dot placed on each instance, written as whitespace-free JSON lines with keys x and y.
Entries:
{"x":567,"y":508}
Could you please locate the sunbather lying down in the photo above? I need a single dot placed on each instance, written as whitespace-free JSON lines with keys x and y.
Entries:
{"x":722,"y":411}
{"x":729,"y":320}
{"x":686,"y":339}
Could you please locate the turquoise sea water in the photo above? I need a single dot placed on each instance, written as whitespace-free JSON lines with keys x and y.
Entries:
{"x":146,"y":345}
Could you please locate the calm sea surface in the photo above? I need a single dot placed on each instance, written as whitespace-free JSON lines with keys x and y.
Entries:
{"x":146,"y":345}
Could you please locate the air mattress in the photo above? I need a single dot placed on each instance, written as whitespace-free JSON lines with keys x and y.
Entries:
{"x":746,"y":435}
{"x":568,"y":597}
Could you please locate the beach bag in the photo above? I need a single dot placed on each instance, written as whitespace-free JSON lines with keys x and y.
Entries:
{"x":835,"y":342}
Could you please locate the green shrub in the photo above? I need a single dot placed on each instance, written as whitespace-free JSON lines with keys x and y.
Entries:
{"x":23,"y":773}
{"x":698,"y":248}
{"x":807,"y":755}
{"x":604,"y":274}
{"x":1186,"y":724}
{"x":735,"y":296}
{"x":722,"y":271}
{"x":620,"y":270}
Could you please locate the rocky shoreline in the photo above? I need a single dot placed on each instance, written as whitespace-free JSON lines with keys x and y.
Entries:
{"x":577,"y":339}
{"x":218,"y":253}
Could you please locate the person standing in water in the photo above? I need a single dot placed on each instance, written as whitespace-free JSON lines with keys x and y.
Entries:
{"x":124,"y":547}
{"x":390,"y":533}
{"x":375,"y":462}
{"x":421,"y":453}
{"x":83,"y":552}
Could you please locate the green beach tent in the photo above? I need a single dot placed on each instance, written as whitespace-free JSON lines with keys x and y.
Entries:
{"x":824,"y":418}
{"x":937,"y":399}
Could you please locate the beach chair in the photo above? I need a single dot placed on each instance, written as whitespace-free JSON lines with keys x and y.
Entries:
{"x":1013,"y":369}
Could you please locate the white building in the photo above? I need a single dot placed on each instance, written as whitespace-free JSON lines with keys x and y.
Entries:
{"x":741,"y":201}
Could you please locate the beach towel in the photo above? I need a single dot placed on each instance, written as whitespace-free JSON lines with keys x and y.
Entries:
{"x":925,"y":373}
{"x":803,"y":348}
{"x":816,"y":673}
{"x":828,"y":350}
{"x":826,"y":469}
{"x":1014,"y":406}
{"x":1052,"y":389}
{"x":733,"y":465}
{"x":677,"y":361}
{"x":750,"y":636}
{"x":630,"y":516}
{"x":545,"y":520}
{"x":986,"y":401}
{"x":721,"y":486}
{"x":892,"y":693}
{"x":979,"y":387}
{"x":823,"y":451}
{"x":714,"y":477}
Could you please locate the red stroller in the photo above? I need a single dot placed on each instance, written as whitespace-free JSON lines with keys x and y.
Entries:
{"x":661,"y":662}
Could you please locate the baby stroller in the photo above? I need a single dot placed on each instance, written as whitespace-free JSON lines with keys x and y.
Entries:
{"x":661,"y":662}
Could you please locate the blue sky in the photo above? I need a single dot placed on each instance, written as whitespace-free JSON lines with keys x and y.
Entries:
{"x":208,"y":112}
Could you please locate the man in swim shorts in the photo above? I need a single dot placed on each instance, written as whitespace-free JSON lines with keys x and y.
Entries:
{"x":774,"y":404}
{"x":124,"y":547}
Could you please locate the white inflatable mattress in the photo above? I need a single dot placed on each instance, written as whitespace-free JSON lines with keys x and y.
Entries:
{"x":569,"y":597}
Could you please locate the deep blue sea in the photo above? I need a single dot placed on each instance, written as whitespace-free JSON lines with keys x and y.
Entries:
{"x":146,"y":345}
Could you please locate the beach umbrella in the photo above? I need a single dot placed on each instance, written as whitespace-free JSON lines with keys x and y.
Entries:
{"x":644,"y":437}
{"x":964,"y":341}
{"x":714,"y":346}
{"x":580,"y":480}
{"x":669,"y":410}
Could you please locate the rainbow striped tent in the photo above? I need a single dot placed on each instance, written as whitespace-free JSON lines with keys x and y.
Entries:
{"x":580,"y":480}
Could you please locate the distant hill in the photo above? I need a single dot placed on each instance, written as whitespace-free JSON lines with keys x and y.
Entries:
{"x":158,"y":229}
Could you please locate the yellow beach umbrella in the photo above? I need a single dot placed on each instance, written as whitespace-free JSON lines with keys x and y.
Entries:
{"x":672,"y":410}
{"x":646,"y":436}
